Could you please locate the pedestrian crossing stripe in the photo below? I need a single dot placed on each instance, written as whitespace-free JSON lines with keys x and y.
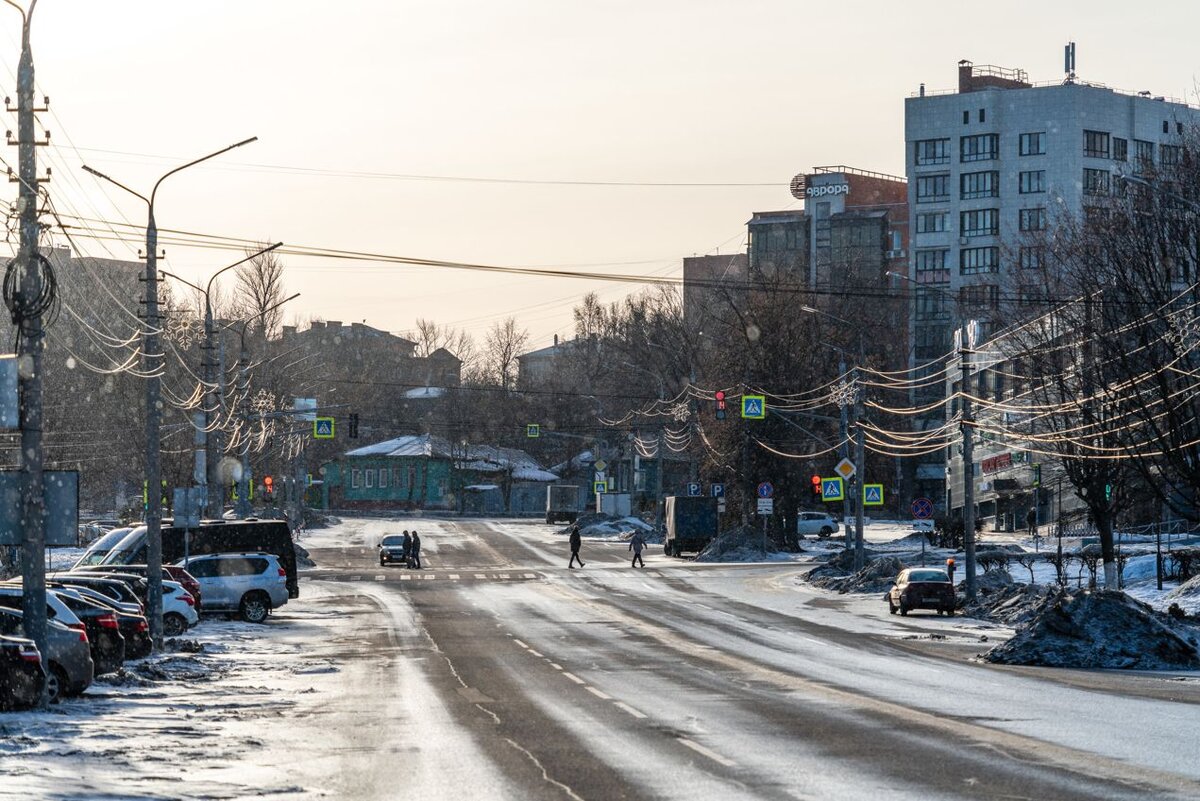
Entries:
{"x":872,"y":495}
{"x":833,"y":489}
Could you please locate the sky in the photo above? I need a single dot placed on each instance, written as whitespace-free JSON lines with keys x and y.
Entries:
{"x":347,"y":98}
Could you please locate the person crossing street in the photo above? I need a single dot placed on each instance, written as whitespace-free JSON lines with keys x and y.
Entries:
{"x":636,"y":544}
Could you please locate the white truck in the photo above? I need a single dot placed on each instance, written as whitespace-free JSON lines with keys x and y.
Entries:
{"x":562,"y":503}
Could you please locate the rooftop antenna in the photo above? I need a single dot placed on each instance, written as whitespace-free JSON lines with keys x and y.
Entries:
{"x":1069,"y":62}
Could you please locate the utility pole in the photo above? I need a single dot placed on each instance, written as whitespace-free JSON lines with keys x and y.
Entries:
{"x":860,"y":467}
{"x":968,"y":439}
{"x":845,"y":454}
{"x":33,"y":296}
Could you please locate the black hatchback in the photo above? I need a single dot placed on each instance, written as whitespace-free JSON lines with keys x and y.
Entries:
{"x":21,"y":673}
{"x":921,"y":588}
{"x":103,"y":630}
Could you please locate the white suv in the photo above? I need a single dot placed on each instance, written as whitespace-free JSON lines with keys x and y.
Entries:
{"x":820,"y":524}
{"x":251,"y":584}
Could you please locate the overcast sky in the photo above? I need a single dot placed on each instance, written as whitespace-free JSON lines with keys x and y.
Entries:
{"x":684,"y":91}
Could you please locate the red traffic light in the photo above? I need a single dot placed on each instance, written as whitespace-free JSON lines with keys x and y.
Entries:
{"x":267,"y":481}
{"x":816,"y":481}
{"x":720,"y":394}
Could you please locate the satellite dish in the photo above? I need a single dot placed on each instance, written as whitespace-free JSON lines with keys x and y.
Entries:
{"x":799,"y":184}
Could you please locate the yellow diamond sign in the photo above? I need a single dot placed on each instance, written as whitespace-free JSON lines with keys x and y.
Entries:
{"x":845,"y":469}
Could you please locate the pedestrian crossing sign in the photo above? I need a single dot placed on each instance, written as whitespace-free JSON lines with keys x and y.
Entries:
{"x":323,"y":428}
{"x":600,"y":487}
{"x":754,"y":407}
{"x":833,"y":489}
{"x":872,"y":495}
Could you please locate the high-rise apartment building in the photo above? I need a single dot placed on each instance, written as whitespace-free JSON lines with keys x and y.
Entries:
{"x":997,"y":161}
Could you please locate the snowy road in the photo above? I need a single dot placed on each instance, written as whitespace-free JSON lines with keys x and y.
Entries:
{"x":498,"y":673}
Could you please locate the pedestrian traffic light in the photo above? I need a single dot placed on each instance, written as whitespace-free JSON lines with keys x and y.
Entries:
{"x":816,"y":485}
{"x":720,"y":396}
{"x":1037,"y":475}
{"x":268,"y":486}
{"x":353,"y":426}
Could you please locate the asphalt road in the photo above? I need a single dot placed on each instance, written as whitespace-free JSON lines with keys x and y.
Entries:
{"x":732,"y":681}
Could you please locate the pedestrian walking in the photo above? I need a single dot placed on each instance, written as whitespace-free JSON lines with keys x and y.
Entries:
{"x":575,"y":541}
{"x":406,"y":549}
{"x":636,"y":545}
{"x":1031,"y":520}
{"x":416,"y":550}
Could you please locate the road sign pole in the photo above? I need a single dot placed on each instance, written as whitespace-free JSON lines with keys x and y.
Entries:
{"x":859,"y":549}
{"x":845,"y":453}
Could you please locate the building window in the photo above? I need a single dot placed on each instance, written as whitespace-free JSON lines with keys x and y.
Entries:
{"x":933,"y":188}
{"x":383,"y":477}
{"x":980,"y":222}
{"x":1032,"y":182}
{"x":1143,"y":153}
{"x":1095,"y":144}
{"x":980,"y":147}
{"x":355,"y":478}
{"x":1032,"y":219}
{"x":1120,"y":149}
{"x":1170,"y":155}
{"x":1033,"y":257}
{"x":396,"y":474}
{"x":972,"y":261}
{"x":929,"y":304}
{"x":967,"y":119}
{"x":982,"y":114}
{"x":370,"y":476}
{"x":1179,"y":128}
{"x":932,"y":151}
{"x":1166,"y":127}
{"x":1095,"y":182}
{"x":932,"y":222}
{"x":930,"y":260}
{"x":979,"y":184}
{"x":1033,"y":144}
{"x":980,"y":296}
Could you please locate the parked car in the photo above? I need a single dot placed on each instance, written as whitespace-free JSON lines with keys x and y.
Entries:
{"x":101,"y":547}
{"x":133,"y":625}
{"x":170,"y":573}
{"x":179,"y":609}
{"x":68,"y":657}
{"x":391,"y":549}
{"x":921,"y":588}
{"x":819,"y":524}
{"x":126,"y":589}
{"x":251,"y":584}
{"x":103,"y":630}
{"x":11,"y":594}
{"x":21,"y":673}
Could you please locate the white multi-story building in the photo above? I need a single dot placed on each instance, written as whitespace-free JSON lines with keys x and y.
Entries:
{"x":994,"y":162}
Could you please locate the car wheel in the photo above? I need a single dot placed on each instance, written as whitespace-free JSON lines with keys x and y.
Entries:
{"x":667,"y":548}
{"x":56,"y":683}
{"x":892,"y":607}
{"x":950,"y":612}
{"x":254,"y":607}
{"x":381,"y":563}
{"x":174,"y":624}
{"x":903,"y":608}
{"x":826,"y":532}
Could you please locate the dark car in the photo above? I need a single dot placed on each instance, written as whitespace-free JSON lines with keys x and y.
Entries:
{"x":68,"y":657}
{"x":921,"y":588}
{"x":132,"y":625}
{"x":170,"y":573}
{"x":128,"y":589}
{"x":391,"y":549}
{"x":103,"y":630}
{"x":21,"y":673}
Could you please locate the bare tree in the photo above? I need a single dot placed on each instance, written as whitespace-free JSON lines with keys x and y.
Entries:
{"x":505,"y":342}
{"x":259,"y":287}
{"x":431,"y":337}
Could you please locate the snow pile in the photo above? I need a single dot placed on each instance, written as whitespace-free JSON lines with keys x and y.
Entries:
{"x":1186,"y":595}
{"x":302,"y":557}
{"x":1011,"y":603}
{"x":740,"y":544}
{"x":610,"y":527}
{"x":1100,"y":629}
{"x":878,"y":575}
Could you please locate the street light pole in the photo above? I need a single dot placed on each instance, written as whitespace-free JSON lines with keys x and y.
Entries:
{"x":152,"y":366}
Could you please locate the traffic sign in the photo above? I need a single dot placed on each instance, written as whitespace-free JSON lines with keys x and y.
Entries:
{"x":533,"y":430}
{"x":600,"y":464}
{"x":766,"y":490}
{"x":323,"y":428}
{"x":832,"y":489}
{"x":694,"y":489}
{"x":845,"y":469}
{"x":717,"y":490}
{"x":766,"y":506}
{"x":922,"y":508}
{"x":754,"y":407}
{"x":922,"y":525}
{"x":600,"y":487}
{"x":872,"y":495}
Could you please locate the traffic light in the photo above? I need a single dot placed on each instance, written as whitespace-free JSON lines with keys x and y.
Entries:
{"x":1037,"y":475}
{"x":353,"y":426}
{"x":816,"y":486}
{"x":269,"y":487}
{"x":720,"y":396}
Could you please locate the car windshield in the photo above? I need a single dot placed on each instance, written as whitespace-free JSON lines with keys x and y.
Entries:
{"x":928,"y":575}
{"x":392,"y":541}
{"x":124,"y":550}
{"x":101,"y":547}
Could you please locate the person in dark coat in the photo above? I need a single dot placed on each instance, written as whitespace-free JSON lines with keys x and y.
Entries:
{"x":406,"y":549}
{"x":575,"y":541}
{"x":416,"y":550}
{"x":1031,"y":522}
{"x":636,"y":545}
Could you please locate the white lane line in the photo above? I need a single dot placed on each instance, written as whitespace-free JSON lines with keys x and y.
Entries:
{"x":530,"y":575}
{"x":356,"y":578}
{"x":574,"y":678}
{"x":381,"y":577}
{"x":523,"y":645}
{"x":598,"y":693}
{"x":430,"y":577}
{"x":405,"y":577}
{"x":556,"y":666}
{"x":503,"y":575}
{"x":480,"y":576}
{"x":713,"y":755}
{"x":453,"y":577}
{"x":624,"y":707}
{"x":535,"y":653}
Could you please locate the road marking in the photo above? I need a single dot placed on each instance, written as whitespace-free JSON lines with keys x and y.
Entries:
{"x":556,"y":666}
{"x":453,"y":577}
{"x":380,"y":577}
{"x":430,"y":577}
{"x":713,"y":755}
{"x":535,"y":653}
{"x":598,"y":693}
{"x":480,"y":576}
{"x":502,"y":575}
{"x":624,"y":707}
{"x":523,"y":645}
{"x":356,"y":578}
{"x":530,"y":575}
{"x":405,"y":577}
{"x":574,"y":678}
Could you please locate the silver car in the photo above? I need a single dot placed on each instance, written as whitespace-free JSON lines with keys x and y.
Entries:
{"x":251,"y":584}
{"x":68,"y":657}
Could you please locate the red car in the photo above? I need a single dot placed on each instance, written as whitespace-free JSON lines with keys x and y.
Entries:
{"x":170,"y":573}
{"x":921,"y":588}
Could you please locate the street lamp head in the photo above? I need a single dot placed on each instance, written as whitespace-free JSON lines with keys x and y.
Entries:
{"x":809,"y":309}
